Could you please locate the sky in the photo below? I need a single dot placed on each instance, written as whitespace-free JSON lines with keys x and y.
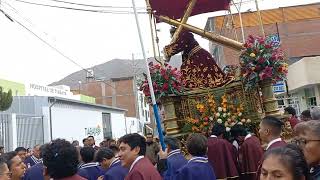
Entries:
{"x":88,"y":38}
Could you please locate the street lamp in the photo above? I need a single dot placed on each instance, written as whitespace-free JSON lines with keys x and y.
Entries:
{"x":79,"y":86}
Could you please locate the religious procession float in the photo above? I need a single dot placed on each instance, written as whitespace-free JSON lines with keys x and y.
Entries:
{"x":201,"y":94}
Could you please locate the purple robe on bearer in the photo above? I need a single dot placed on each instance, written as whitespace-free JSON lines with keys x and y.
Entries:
{"x":143,"y":169}
{"x":116,"y":171}
{"x":197,"y":168}
{"x":249,"y":155}
{"x":175,"y":161}
{"x":223,"y":158}
{"x":199,"y":69}
{"x":90,"y":171}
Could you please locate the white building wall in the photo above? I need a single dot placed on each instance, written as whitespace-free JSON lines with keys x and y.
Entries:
{"x":144,"y":111}
{"x":118,"y":125}
{"x":71,"y":123}
{"x":132,"y":125}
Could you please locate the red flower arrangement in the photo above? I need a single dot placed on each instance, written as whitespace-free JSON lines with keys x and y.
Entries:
{"x":166,"y":80}
{"x":262,"y":59}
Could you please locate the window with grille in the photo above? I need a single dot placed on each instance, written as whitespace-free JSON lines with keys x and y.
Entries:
{"x":310,"y":97}
{"x":106,"y":124}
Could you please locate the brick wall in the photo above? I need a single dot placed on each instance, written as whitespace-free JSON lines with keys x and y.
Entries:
{"x":299,"y":38}
{"x":117,"y":93}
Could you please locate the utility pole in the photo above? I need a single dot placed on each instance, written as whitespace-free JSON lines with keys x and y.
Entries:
{"x":136,"y":94}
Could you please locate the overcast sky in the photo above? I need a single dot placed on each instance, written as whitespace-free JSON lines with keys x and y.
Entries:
{"x":86,"y":37}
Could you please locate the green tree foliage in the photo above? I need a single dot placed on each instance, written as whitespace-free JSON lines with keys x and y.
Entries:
{"x":5,"y":99}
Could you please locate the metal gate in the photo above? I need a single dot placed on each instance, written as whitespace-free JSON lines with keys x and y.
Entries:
{"x":30,"y":130}
{"x":106,"y":125}
{"x":4,"y":131}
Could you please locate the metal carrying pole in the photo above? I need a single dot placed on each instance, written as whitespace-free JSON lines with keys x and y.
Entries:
{"x":154,"y":103}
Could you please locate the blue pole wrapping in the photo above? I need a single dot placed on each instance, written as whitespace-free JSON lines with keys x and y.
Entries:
{"x":154,"y":103}
{"x":156,"y":112}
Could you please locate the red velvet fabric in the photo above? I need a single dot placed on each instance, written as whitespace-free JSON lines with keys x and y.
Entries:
{"x":250,"y":154}
{"x":143,"y":170}
{"x":176,"y":8}
{"x":222,"y":157}
{"x":198,"y":69}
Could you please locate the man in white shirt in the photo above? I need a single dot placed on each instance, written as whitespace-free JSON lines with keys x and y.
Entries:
{"x":270,"y":131}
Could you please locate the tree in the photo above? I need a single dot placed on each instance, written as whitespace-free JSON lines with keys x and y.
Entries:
{"x":5,"y":99}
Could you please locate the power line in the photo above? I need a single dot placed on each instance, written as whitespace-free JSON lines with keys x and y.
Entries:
{"x":57,"y":50}
{"x":62,"y":54}
{"x":80,"y":9}
{"x":99,"y":6}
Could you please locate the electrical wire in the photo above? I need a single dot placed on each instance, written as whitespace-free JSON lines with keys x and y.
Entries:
{"x":80,"y":9}
{"x":90,"y":5}
{"x":58,"y":51}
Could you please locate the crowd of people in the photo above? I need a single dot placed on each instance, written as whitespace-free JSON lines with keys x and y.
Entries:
{"x":135,"y":157}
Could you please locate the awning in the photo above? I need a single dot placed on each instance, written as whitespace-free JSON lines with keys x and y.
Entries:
{"x":175,"y":9}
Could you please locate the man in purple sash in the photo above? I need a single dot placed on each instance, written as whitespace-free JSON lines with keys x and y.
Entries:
{"x":111,"y":165}
{"x":172,"y":159}
{"x":198,"y":167}
{"x":250,"y":152}
{"x":222,"y":154}
{"x":89,"y":169}
{"x":34,"y":158}
{"x":132,"y":151}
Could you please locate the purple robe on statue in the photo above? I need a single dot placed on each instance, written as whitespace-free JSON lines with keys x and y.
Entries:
{"x":223,"y":158}
{"x":175,"y":161}
{"x":116,"y":171}
{"x":90,"y":171}
{"x":199,"y":69}
{"x":249,"y":155}
{"x":143,"y":170}
{"x":34,"y":173}
{"x":197,"y":168}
